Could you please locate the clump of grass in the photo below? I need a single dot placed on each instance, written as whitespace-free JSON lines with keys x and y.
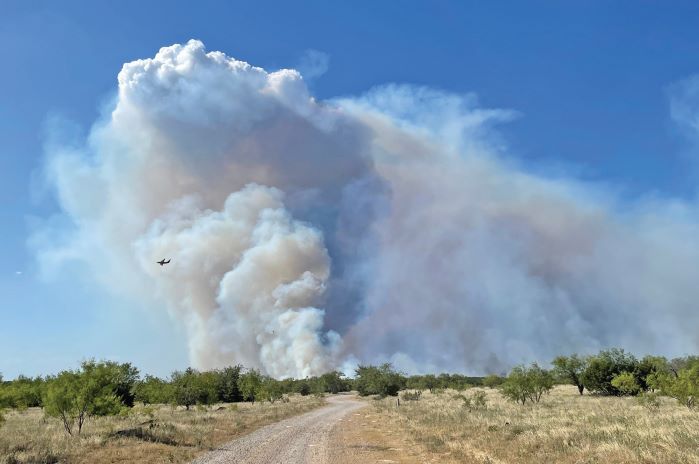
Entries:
{"x":411,"y":396}
{"x":650,"y":401}
{"x":478,"y":400}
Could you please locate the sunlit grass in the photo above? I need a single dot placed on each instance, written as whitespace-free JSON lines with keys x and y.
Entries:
{"x":563,"y":428}
{"x":147,"y":434}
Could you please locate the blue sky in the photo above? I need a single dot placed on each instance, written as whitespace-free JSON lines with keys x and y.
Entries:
{"x":589,"y":79}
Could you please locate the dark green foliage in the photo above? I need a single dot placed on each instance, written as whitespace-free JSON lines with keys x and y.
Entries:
{"x":209,"y":383}
{"x":431,"y":382}
{"x":228,"y":391}
{"x":492,"y":381}
{"x":381,"y":380}
{"x":190,"y":388}
{"x":122,"y":377}
{"x":527,"y":383}
{"x":603,"y":367}
{"x":250,"y":384}
{"x":152,"y":390}
{"x":570,"y":370}
{"x":303,"y":388}
{"x":334,"y":382}
{"x":647,"y":368}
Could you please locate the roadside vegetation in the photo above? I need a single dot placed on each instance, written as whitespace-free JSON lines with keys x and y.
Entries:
{"x":609,"y":407}
{"x":564,"y":428}
{"x":606,"y":408}
{"x":106,"y":412}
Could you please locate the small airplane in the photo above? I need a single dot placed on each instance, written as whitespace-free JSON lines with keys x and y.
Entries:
{"x":162,"y":261}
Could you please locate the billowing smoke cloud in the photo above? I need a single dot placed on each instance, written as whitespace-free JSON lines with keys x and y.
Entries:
{"x":305,"y":235}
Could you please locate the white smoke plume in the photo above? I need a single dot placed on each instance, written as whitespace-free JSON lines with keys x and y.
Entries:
{"x":387,"y":227}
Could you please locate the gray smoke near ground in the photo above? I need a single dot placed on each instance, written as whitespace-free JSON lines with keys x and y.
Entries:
{"x":309,"y":235}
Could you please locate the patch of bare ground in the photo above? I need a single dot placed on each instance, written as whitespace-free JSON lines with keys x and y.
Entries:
{"x":565,"y":428}
{"x":364,"y":437}
{"x":160,"y":434}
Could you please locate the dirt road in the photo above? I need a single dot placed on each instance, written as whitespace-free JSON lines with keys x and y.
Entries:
{"x":304,"y":439}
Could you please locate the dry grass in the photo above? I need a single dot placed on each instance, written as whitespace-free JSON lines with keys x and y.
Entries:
{"x":160,"y":434}
{"x":564,"y":428}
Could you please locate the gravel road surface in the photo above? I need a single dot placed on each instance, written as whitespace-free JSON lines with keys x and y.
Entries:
{"x":304,"y":439}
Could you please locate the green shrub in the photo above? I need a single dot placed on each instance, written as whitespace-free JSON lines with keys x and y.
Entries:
{"x":602,"y":368}
{"x":21,"y":393}
{"x":334,"y":382}
{"x":626,"y":384}
{"x":527,"y":383}
{"x":152,"y":390}
{"x":74,"y":396}
{"x":271,"y":390}
{"x":250,"y":384}
{"x":478,"y":400}
{"x":492,"y":381}
{"x":228,"y":389}
{"x":188,"y":389}
{"x":684,"y":386}
{"x":381,"y":380}
{"x":303,"y":388}
{"x":570,"y":369}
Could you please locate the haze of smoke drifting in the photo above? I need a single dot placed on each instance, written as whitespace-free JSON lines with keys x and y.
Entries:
{"x":394,"y":212}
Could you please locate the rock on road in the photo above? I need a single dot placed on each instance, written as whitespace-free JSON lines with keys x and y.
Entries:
{"x":304,"y":439}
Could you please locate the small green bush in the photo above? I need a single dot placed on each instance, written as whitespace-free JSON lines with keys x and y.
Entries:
{"x":570,"y":370}
{"x":477,"y":400}
{"x":378,"y":380}
{"x":602,"y":368}
{"x":492,"y":381}
{"x":74,"y":396}
{"x":683,"y":386}
{"x":527,"y":383}
{"x":626,"y":384}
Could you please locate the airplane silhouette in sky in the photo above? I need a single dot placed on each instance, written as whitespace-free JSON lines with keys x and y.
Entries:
{"x":162,"y":261}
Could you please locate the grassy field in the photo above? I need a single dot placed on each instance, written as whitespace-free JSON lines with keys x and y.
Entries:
{"x":564,"y":428}
{"x":160,"y":434}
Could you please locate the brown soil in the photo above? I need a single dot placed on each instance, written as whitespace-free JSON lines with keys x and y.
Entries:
{"x":362,"y":437}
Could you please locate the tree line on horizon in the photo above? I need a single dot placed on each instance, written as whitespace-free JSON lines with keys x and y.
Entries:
{"x":611,"y":372}
{"x":101,"y":388}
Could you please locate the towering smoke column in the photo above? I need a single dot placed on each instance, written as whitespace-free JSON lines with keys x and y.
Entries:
{"x":304,"y":235}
